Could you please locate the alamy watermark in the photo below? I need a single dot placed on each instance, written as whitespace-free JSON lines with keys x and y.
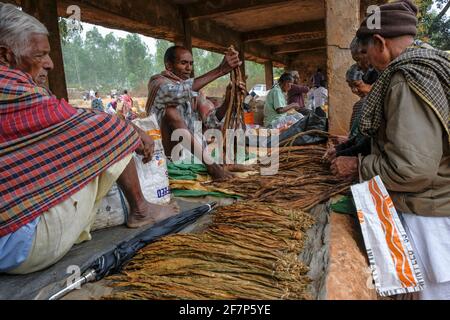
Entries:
{"x":74,"y":18}
{"x":75,"y":275}
{"x":374,"y":17}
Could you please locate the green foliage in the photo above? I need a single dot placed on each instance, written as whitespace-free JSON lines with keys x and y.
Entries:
{"x":277,"y":72}
{"x":255,"y":72}
{"x":434,"y":26}
{"x":68,"y":30}
{"x":105,"y":62}
{"x":161,"y":47}
{"x":205,"y":61}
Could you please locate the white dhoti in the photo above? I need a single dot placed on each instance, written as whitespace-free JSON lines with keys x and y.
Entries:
{"x":69,"y":222}
{"x":430,"y":238}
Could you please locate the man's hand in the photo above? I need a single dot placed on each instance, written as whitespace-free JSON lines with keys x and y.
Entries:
{"x":292,"y":106}
{"x":146,"y":146}
{"x":330,"y":155}
{"x":298,"y":107}
{"x":230,"y":61}
{"x":339,"y":139}
{"x":345,"y":167}
{"x":242,"y":88}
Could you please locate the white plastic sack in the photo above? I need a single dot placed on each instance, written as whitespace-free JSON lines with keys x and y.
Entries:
{"x":394,"y":266}
{"x":153,"y":176}
{"x":286,"y":121}
{"x":112,"y":210}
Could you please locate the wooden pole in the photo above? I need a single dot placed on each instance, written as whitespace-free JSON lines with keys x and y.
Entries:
{"x":268,"y":68}
{"x":241,"y":48}
{"x":46,"y":11}
{"x":187,"y":35}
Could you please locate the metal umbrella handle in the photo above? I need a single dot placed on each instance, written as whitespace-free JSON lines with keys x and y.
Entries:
{"x":88,"y":277}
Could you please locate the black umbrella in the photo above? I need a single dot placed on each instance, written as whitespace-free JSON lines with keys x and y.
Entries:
{"x":113,"y":261}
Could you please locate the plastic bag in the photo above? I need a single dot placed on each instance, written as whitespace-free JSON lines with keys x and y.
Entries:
{"x":286,"y":121}
{"x":314,"y":121}
{"x":112,"y":211}
{"x":153,"y":176}
{"x":392,"y":261}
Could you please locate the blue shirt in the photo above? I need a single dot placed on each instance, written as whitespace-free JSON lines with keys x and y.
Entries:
{"x":15,"y":247}
{"x":97,"y":104}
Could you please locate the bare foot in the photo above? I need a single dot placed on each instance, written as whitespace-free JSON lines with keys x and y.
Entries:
{"x":240,"y":168}
{"x":219,"y":173}
{"x":148,"y":214}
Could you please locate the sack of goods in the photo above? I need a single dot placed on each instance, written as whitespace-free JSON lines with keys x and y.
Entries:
{"x":153,"y":176}
{"x":112,"y":210}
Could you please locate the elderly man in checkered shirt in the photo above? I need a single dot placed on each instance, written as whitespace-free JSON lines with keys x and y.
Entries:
{"x":174,"y":99}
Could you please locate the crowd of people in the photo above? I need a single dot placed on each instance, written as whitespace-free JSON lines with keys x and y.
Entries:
{"x":128,"y":109}
{"x":289,"y":100}
{"x":399,"y":130}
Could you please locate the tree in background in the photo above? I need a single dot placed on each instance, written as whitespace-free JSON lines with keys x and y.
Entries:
{"x":161,"y":47}
{"x":105,"y":63}
{"x":205,"y":61}
{"x":137,"y":60}
{"x":434,"y":26}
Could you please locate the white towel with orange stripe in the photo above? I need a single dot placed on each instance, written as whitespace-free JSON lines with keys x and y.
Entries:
{"x":393,"y":263}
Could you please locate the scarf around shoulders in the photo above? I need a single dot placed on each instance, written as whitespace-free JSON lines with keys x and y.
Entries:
{"x":427,"y":72}
{"x":155,"y":83}
{"x":199,"y":103}
{"x":50,"y":150}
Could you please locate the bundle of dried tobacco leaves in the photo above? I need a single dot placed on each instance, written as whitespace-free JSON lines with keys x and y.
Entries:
{"x":249,"y":252}
{"x":251,"y":249}
{"x":302,"y":181}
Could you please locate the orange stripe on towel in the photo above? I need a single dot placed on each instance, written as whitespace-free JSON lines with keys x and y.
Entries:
{"x":383,"y":204}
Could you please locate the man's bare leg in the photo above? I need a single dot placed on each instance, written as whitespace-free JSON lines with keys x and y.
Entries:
{"x":142,"y":212}
{"x":172,"y":120}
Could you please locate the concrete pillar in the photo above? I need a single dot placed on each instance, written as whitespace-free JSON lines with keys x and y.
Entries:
{"x":342,"y":21}
{"x":46,"y":11}
{"x":268,"y":68}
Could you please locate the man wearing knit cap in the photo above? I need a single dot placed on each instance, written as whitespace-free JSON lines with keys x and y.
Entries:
{"x":407,"y":117}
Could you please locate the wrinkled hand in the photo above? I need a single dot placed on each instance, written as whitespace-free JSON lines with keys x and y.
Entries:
{"x":345,"y":167}
{"x":146,"y":147}
{"x":339,"y":139}
{"x":294,"y":106}
{"x":242,"y":88}
{"x":298,"y":107}
{"x":230,"y":61}
{"x":330,"y":155}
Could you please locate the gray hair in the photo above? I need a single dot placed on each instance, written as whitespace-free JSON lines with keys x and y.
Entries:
{"x":354,"y":73}
{"x":294,"y":73}
{"x":355,"y":45}
{"x":16,"y":28}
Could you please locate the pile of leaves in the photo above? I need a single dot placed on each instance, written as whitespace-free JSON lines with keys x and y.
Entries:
{"x":303,"y":180}
{"x":251,"y":249}
{"x":249,"y":252}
